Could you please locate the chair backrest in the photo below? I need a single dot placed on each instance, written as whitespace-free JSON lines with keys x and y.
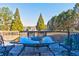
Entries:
{"x":47,"y":39}
{"x":36,"y":38}
{"x":1,"y":40}
{"x":24,"y":40}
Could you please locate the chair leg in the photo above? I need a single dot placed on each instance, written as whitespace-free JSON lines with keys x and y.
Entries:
{"x":6,"y":52}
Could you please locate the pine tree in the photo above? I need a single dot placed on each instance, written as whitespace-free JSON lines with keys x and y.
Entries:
{"x":16,"y":24}
{"x":6,"y":14}
{"x":76,"y":10}
{"x":40,"y":23}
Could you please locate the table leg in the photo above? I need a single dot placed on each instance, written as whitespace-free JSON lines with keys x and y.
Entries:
{"x":22,"y":50}
{"x":38,"y":52}
{"x":34,"y":49}
{"x":51,"y":50}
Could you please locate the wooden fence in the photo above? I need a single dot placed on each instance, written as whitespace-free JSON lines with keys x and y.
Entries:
{"x":9,"y":35}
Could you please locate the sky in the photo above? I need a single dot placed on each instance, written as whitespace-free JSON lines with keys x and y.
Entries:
{"x":29,"y":12}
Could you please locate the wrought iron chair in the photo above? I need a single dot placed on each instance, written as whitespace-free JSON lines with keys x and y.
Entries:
{"x":4,"y":50}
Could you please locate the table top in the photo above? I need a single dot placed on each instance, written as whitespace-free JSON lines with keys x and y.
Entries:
{"x":34,"y":43}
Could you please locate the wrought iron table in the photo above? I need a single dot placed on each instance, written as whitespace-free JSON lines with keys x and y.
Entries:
{"x":35,"y":44}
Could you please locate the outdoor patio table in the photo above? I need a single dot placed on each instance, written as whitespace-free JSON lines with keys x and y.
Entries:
{"x":27,"y":42}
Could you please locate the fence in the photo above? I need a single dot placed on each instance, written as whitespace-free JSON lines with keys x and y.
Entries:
{"x":9,"y":35}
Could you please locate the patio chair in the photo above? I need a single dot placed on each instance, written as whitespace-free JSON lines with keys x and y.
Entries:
{"x":48,"y":41}
{"x":4,"y":50}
